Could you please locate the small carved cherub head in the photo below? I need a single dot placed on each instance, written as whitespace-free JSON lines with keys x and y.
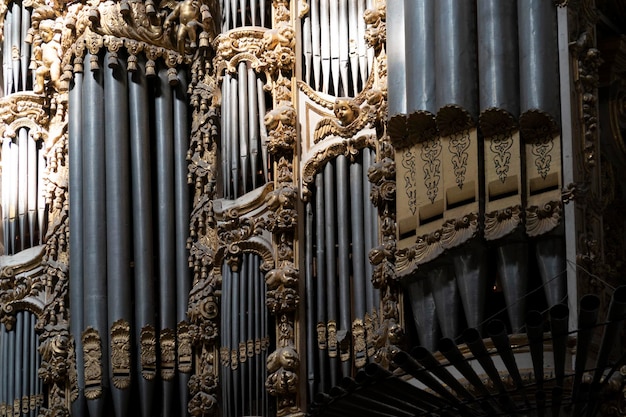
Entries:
{"x":346,"y":111}
{"x":46,"y":29}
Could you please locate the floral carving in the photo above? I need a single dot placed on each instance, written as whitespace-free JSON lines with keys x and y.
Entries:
{"x":147,"y":340}
{"x":92,"y":357}
{"x":120,"y":354}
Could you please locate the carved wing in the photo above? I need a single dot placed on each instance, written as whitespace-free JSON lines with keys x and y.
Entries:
{"x":326,"y":127}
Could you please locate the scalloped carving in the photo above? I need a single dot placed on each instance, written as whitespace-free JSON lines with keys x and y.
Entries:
{"x":540,"y":220}
{"x":502,"y":222}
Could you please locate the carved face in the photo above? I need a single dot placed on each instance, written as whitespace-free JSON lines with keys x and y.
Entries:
{"x":344,"y":111}
{"x":46,"y":28}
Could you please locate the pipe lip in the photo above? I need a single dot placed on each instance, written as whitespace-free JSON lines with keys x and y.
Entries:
{"x":534,"y":319}
{"x":446,"y":345}
{"x":559,"y":312}
{"x":420,"y":353}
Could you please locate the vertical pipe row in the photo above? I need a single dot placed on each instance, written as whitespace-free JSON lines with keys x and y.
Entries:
{"x":31,"y":202}
{"x":94,"y":215}
{"x":16,"y":51}
{"x":143,"y":253}
{"x":164,"y":164}
{"x":22,"y":186}
{"x":117,"y":210}
{"x":263,"y":133}
{"x":243,"y":133}
{"x":14,"y":196}
{"x":75,"y":150}
{"x":255,"y":119}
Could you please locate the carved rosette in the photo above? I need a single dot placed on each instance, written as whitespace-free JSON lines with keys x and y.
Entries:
{"x":120,"y":354}
{"x":92,"y":357}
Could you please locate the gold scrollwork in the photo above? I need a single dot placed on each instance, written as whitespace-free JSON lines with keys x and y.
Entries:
{"x":148,"y":352}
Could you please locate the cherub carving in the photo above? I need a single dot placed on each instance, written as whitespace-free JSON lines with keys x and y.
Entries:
{"x":191,"y":15}
{"x":349,"y":119}
{"x":48,"y":56}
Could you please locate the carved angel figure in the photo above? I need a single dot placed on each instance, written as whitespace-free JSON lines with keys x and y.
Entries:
{"x":349,"y":119}
{"x":190,"y":15}
{"x":48,"y":56}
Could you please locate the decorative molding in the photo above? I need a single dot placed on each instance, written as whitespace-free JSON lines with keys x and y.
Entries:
{"x":167,"y":345}
{"x":92,"y":359}
{"x":148,"y":352}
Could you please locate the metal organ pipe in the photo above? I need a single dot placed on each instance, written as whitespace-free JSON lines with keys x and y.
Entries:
{"x":164,"y":149}
{"x":331,"y":262}
{"x":310,"y":301}
{"x":76,"y":285}
{"x":143,"y":253}
{"x":22,"y":173}
{"x":397,"y":79}
{"x":559,"y":326}
{"x":117,"y":211}
{"x":498,"y":55}
{"x":94,"y":215}
{"x":587,"y":318}
{"x":242,"y":132}
{"x":358,"y":251}
{"x":420,"y":83}
{"x":455,"y":56}
{"x":254,"y":120}
{"x":513,"y":270}
{"x":31,"y":202}
{"x":320,"y":288}
{"x":343,"y":254}
{"x":534,"y":331}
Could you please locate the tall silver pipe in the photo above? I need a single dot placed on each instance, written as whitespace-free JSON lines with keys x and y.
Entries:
{"x":325,"y":43}
{"x":362,"y":48}
{"x":3,"y":376}
{"x":307,"y":48}
{"x":470,"y":268}
{"x":14,"y":196}
{"x":474,"y":342}
{"x":513,"y":271}
{"x":225,"y":137}
{"x":8,"y":62}
{"x":164,"y":150}
{"x":31,"y":202}
{"x":11,"y":365}
{"x":343,"y":254}
{"x":420,"y":48}
{"x":358,"y":251}
{"x":396,"y":58}
{"x":141,"y":185}
{"x":5,"y":195}
{"x":550,"y":253}
{"x":352,"y":41}
{"x":117,"y":211}
{"x":76,"y":286}
{"x":244,"y":125}
{"x":498,"y":55}
{"x":94,"y":216}
{"x":234,"y":340}
{"x":22,"y":176}
{"x":33,"y":364}
{"x":225,"y":15}
{"x":423,"y":307}
{"x":234,"y":136}
{"x":331,"y":261}
{"x":19,"y":362}
{"x":16,"y":29}
{"x":233,"y":13}
{"x":309,"y":284}
{"x":368,"y":242}
{"x":263,"y":128}
{"x":316,"y":61}
{"x":343,"y":40}
{"x":320,"y":287}
{"x":254,"y":121}
{"x":182,"y":210}
{"x":455,"y":55}
{"x":24,"y":47}
{"x":335,"y":36}
{"x":538,"y":57}
{"x":445,"y":294}
{"x":41,"y":191}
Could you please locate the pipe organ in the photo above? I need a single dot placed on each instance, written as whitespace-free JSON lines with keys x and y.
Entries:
{"x":478,"y":158}
{"x":311,"y":207}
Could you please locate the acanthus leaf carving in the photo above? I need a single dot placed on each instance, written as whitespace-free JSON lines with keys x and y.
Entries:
{"x":120,"y":354}
{"x":92,"y":359}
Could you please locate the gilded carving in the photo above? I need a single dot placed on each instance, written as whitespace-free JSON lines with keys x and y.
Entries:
{"x":375,"y":19}
{"x":92,"y":357}
{"x":321,"y":335}
{"x":47,"y":57}
{"x":333,"y":344}
{"x":167,"y":344}
{"x":359,"y":343}
{"x":120,"y":354}
{"x":281,"y":127}
{"x":349,"y":119}
{"x":184,"y":351}
{"x":147,"y":340}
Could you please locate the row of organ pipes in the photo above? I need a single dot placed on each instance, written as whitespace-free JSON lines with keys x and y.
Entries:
{"x":341,"y":228}
{"x":244,"y":342}
{"x":16,"y":51}
{"x":336,"y":60}
{"x":240,"y":13}
{"x":487,"y":57}
{"x":130,"y":206}
{"x":23,"y":191}
{"x":21,"y":392}
{"x":245,"y":163}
